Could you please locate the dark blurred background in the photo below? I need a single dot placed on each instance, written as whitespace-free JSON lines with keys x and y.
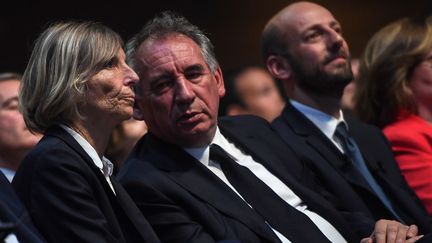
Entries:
{"x":234,"y":26}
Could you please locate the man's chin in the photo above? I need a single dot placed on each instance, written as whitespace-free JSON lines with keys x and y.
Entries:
{"x":197,"y":136}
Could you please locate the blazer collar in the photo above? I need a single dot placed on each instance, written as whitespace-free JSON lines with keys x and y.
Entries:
{"x":60,"y":133}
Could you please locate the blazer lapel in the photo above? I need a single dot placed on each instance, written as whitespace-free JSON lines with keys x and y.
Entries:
{"x":60,"y":133}
{"x":199,"y":181}
{"x":63,"y":135}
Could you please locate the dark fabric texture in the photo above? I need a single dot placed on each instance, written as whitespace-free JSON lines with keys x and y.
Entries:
{"x":185,"y":202}
{"x":343,"y":185}
{"x":70,"y":200}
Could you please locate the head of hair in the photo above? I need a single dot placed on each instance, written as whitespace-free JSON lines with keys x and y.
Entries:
{"x":386,"y":67}
{"x":169,"y":23}
{"x":272,"y":40}
{"x":65,"y":56}
{"x":10,"y":76}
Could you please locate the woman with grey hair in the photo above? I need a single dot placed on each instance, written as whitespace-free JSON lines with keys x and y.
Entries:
{"x":76,"y":88}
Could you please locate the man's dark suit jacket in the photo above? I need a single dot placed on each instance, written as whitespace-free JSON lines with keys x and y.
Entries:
{"x":185,"y":202}
{"x":334,"y":170}
{"x":70,"y":200}
{"x":12,"y":212}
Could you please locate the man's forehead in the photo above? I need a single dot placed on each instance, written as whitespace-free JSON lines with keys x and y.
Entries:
{"x":177,"y":48}
{"x":302,"y":17}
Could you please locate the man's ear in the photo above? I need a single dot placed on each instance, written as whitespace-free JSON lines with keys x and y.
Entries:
{"x":279,"y":67}
{"x":220,"y":82}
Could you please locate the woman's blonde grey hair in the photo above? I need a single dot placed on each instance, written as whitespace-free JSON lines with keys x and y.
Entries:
{"x":386,"y":67}
{"x":65,"y":56}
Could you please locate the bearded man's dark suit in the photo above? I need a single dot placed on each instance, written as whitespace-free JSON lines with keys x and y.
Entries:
{"x":340,"y":178}
{"x":69,"y":198}
{"x":186,"y":202}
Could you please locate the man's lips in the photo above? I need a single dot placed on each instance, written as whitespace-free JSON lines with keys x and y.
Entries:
{"x":339,"y":58}
{"x":190,"y":117}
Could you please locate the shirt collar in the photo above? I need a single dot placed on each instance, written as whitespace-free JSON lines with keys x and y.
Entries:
{"x":202,"y":154}
{"x":91,"y":151}
{"x":8,"y":173}
{"x":326,"y":123}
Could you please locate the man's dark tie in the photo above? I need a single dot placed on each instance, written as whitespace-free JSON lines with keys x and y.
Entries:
{"x":353,"y":152}
{"x":296,"y":226}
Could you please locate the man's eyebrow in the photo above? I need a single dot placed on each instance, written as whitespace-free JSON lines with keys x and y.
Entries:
{"x":332,"y":23}
{"x":335,"y":23}
{"x":195,"y":67}
{"x":159,"y":77}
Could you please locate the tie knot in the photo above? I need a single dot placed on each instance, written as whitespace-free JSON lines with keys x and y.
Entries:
{"x":107,"y":167}
{"x":341,"y":131}
{"x":217,"y":153}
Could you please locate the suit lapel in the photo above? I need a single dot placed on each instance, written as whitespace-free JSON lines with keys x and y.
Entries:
{"x":318,"y":143}
{"x":133,"y":213}
{"x":261,"y":145}
{"x":202,"y":183}
{"x":258,"y":145}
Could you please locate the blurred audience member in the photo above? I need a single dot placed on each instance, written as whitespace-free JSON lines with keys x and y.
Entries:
{"x":251,"y":90}
{"x":123,"y":139}
{"x":15,"y":223}
{"x":395,"y":93}
{"x":15,"y":139}
{"x":348,"y":94}
{"x":76,"y":88}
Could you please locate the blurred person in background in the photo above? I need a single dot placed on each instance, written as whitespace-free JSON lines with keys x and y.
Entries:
{"x":123,"y":139}
{"x":15,"y":139}
{"x":394,"y":92}
{"x":348,"y":94}
{"x":251,"y":90}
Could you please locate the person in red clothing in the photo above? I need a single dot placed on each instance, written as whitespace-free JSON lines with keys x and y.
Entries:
{"x":394,"y":92}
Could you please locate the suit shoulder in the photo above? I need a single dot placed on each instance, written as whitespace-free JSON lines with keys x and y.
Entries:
{"x":248,"y":120}
{"x":50,"y":152}
{"x":140,"y":171}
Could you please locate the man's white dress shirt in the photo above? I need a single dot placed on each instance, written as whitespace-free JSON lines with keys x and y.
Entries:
{"x":282,"y":190}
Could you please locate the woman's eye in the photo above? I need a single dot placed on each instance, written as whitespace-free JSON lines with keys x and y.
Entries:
{"x":111,"y":63}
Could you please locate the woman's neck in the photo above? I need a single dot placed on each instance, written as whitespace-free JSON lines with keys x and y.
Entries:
{"x":96,"y":134}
